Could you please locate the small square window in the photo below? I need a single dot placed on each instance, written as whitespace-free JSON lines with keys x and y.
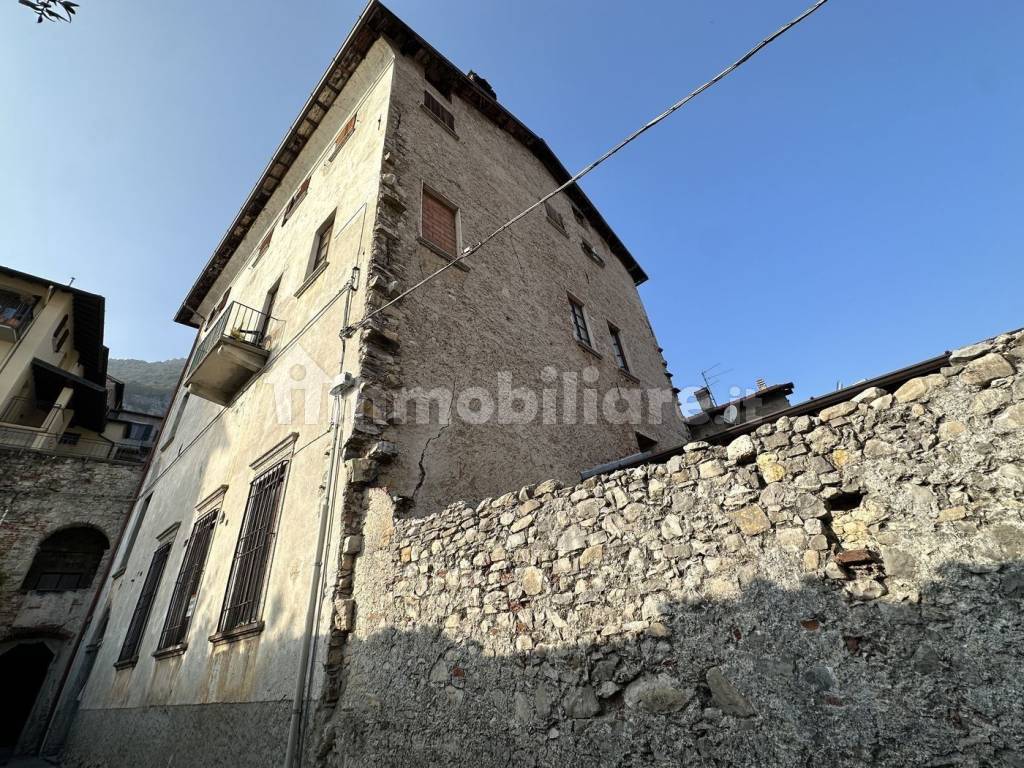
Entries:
{"x":554,"y":217}
{"x":579,"y":322}
{"x":439,"y":223}
{"x":592,"y":254}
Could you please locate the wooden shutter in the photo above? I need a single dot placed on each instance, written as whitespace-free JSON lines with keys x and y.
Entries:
{"x":438,"y":224}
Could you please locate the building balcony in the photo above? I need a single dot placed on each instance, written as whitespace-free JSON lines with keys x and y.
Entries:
{"x":15,"y":317}
{"x":27,"y":412}
{"x":230,"y":354}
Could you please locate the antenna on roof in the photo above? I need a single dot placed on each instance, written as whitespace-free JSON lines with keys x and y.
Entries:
{"x":710,"y":379}
{"x":71,"y":281}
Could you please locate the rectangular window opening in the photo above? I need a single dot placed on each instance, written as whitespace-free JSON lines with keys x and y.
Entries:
{"x":133,"y":638}
{"x":186,"y":588}
{"x":554,"y":217}
{"x":438,"y":110}
{"x":344,"y":135}
{"x":579,"y":323}
{"x":321,"y":245}
{"x":439,"y":223}
{"x":591,"y":252}
{"x":243,"y":602}
{"x":617,"y":348}
{"x":581,"y":219}
{"x":297,"y":198}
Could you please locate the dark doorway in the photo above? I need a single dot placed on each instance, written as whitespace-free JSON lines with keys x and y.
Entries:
{"x":22,"y":670}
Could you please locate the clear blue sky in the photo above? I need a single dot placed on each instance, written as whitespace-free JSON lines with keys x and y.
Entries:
{"x":850,"y":201}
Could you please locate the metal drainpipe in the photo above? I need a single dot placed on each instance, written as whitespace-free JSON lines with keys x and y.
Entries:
{"x":293,"y":757}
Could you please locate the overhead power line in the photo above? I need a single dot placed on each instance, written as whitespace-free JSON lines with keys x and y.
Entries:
{"x":470,"y":250}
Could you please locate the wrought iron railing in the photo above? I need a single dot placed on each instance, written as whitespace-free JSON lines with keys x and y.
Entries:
{"x":26,"y":412}
{"x":70,"y":444}
{"x":15,"y":315}
{"x":238,"y":322}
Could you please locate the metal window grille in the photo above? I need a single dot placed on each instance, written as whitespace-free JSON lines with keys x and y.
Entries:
{"x":133,"y":638}
{"x":579,"y":322}
{"x":186,"y":588}
{"x":620,"y":352}
{"x":242,"y":602}
{"x":437,"y":110}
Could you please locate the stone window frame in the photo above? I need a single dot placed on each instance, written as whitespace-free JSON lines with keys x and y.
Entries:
{"x":619,"y":354}
{"x":584,"y":317}
{"x":315,"y":268}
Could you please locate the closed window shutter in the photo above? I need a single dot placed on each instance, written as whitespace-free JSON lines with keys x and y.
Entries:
{"x":438,"y":225}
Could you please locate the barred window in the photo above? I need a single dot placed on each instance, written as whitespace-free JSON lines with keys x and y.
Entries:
{"x":579,"y":322}
{"x":133,"y":638}
{"x":435,"y":108}
{"x":186,"y":588}
{"x":243,"y":601}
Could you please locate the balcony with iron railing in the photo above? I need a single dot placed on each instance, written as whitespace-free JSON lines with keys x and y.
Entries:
{"x":15,"y":316}
{"x":233,"y":351}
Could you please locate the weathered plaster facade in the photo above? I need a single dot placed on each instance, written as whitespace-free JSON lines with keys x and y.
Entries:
{"x":507,"y":312}
{"x":841,"y":589}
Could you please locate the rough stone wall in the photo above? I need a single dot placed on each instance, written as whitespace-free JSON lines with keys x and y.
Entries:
{"x":506,"y":311}
{"x":39,"y":495}
{"x":843,"y":589}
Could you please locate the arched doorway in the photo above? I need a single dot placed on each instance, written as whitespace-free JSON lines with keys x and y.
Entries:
{"x":23,"y":670}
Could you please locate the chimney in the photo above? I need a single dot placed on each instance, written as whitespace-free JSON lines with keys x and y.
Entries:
{"x":704,"y":399}
{"x":761,"y":385}
{"x":482,"y":84}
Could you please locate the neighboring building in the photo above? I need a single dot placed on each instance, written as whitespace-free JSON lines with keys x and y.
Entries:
{"x":397,"y":163}
{"x":714,"y":418}
{"x":71,"y":463}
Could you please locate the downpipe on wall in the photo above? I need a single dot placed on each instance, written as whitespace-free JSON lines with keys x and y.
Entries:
{"x":343,"y":384}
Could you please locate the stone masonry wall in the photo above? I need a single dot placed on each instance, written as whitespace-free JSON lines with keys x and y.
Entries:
{"x":843,"y":589}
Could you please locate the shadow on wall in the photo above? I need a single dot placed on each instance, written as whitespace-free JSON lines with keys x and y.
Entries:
{"x":774,"y":677}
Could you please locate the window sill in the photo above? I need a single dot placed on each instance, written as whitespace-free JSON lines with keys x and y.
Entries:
{"x":630,"y":376}
{"x":126,"y":664}
{"x":311,"y":278}
{"x":590,"y":349}
{"x":558,"y":227}
{"x":440,"y":122}
{"x":169,"y":651}
{"x":441,"y":252}
{"x":237,"y":633}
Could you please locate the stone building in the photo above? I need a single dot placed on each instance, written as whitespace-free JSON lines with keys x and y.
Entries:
{"x":232,"y":595}
{"x":69,"y":469}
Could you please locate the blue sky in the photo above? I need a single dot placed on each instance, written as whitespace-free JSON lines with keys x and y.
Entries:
{"x":847,"y":203}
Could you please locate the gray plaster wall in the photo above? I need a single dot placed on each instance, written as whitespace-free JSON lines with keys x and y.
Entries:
{"x":206,"y":735}
{"x":41,"y":494}
{"x":843,"y":589}
{"x":508,"y":312}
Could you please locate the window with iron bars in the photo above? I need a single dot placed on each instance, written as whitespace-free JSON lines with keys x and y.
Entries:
{"x":133,"y":638}
{"x":579,"y":323}
{"x":244,"y":597}
{"x":186,"y":588}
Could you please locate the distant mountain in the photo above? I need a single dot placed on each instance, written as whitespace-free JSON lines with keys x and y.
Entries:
{"x":148,"y":387}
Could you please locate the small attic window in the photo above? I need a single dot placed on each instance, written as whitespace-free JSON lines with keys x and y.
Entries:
{"x":554,"y":217}
{"x":437,"y":110}
{"x":580,"y":218}
{"x":343,"y":135}
{"x":591,"y":252}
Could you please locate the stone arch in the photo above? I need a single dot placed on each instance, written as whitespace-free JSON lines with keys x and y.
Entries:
{"x":67,"y":559}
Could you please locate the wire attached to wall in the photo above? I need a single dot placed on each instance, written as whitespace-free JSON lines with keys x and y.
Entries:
{"x":470,"y":250}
